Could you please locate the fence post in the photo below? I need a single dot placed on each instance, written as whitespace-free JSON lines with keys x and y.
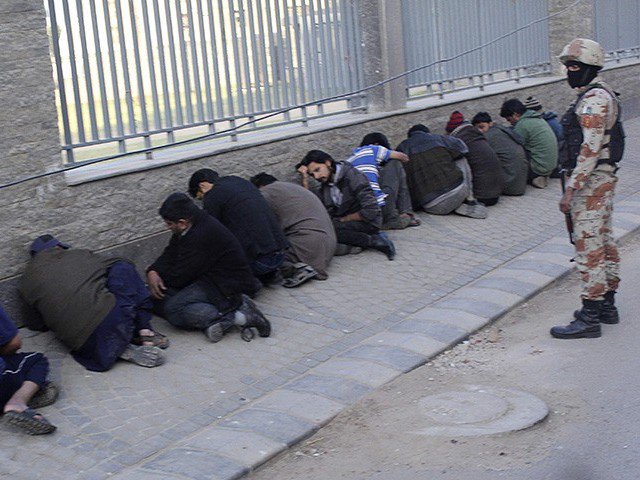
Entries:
{"x":578,"y":21}
{"x":383,"y":52}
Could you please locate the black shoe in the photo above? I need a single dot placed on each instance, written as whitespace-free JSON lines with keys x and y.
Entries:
{"x":608,"y":311}
{"x":383,"y":243}
{"x":253,"y":319}
{"x":586,"y":324}
{"x":216,"y":331}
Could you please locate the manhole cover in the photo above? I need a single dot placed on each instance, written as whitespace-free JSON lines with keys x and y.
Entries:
{"x":478,"y":410}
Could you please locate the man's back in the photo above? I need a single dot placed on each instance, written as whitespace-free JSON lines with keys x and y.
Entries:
{"x":539,"y":141}
{"x":297,"y":208}
{"x":508,"y":145}
{"x":238,"y":205}
{"x":207,"y":252}
{"x":367,"y":159}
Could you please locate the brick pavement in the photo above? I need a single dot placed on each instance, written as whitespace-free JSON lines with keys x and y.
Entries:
{"x":218,"y":410}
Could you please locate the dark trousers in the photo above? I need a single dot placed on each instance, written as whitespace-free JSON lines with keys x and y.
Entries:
{"x":357,"y":234}
{"x":19,"y":368}
{"x":195,"y":307}
{"x":131,"y":313}
{"x":393,"y":182}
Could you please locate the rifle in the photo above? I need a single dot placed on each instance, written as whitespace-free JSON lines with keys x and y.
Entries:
{"x":567,"y":216}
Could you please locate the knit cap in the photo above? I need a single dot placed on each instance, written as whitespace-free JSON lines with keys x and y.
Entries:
{"x":532,"y":103}
{"x":455,"y":120}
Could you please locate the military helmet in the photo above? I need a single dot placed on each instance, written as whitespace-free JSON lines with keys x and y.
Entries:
{"x":583,"y":50}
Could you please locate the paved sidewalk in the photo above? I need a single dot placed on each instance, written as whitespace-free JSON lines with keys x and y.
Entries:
{"x":215,"y":411}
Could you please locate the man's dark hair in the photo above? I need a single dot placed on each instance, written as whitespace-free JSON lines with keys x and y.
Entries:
{"x":262,"y":179}
{"x":481,"y":117}
{"x":316,"y":156}
{"x":178,"y":206}
{"x":418,"y":127}
{"x":512,"y":106}
{"x":202,"y":175}
{"x":375,"y":138}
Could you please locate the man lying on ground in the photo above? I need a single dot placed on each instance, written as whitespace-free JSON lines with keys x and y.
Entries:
{"x":307,"y":226}
{"x":350,"y":201}
{"x":23,"y":382}
{"x":201,"y":279}
{"x":99,"y":307}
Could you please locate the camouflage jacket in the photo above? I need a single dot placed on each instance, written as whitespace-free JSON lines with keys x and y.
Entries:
{"x":597,"y":111}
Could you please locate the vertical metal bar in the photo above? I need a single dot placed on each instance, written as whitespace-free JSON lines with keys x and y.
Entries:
{"x":307,"y":70}
{"x":194,"y":61}
{"x":175,"y":79}
{"x":184,"y":61}
{"x":236,"y":59}
{"x":74,"y":73}
{"x":284,"y":81}
{"x":245,"y":57}
{"x":106,"y":119}
{"x":114,"y":76}
{"x":227,"y":68}
{"x":351,"y":46}
{"x":136,"y":57}
{"x":263,"y":55}
{"x":168,"y":114}
{"x":357,"y":47}
{"x":340,"y":51}
{"x":316,"y":59}
{"x":125,"y":68}
{"x":299,"y":60}
{"x":275,"y":60}
{"x":87,"y":71}
{"x":292,"y":66}
{"x":151,"y":65}
{"x":214,"y":57}
{"x":255,"y":58}
{"x":205,"y":65}
{"x":55,"y":38}
{"x":328,"y":47}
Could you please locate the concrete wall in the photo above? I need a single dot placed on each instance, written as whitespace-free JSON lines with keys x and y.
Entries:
{"x":119,"y":214}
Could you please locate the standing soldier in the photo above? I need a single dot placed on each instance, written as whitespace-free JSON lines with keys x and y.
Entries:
{"x":593,"y":146}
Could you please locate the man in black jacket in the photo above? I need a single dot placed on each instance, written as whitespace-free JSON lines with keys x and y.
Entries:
{"x":347,"y":195}
{"x":240,"y":207}
{"x":200,"y":279}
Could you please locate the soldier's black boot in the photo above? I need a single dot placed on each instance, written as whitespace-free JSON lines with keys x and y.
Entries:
{"x":609,"y":312}
{"x":586,"y":324}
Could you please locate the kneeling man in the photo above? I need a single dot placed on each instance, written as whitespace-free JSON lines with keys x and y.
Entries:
{"x":200,"y":279}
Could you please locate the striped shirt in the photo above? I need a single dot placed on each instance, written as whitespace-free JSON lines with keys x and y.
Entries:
{"x":367,"y":160}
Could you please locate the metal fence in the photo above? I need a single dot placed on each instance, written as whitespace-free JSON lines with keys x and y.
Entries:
{"x":135,"y":74}
{"x":441,"y":29}
{"x":617,"y":26}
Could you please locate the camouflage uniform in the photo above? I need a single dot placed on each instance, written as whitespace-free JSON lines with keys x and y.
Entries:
{"x":592,"y":205}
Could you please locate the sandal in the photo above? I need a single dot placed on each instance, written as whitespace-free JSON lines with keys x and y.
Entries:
{"x":159,"y":340}
{"x":143,"y":355}
{"x":30,"y":421}
{"x":414,"y":221}
{"x":302,"y":274}
{"x":44,"y":397}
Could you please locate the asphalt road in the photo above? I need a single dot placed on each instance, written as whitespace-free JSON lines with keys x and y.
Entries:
{"x":591,"y":386}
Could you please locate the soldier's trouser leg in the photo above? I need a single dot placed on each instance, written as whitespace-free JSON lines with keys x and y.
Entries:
{"x":596,"y":251}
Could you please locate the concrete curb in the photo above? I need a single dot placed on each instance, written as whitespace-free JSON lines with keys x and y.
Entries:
{"x":249,"y":437}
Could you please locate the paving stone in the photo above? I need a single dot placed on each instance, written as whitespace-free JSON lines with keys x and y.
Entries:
{"x":195,"y":464}
{"x":418,"y":343}
{"x":625,"y":221}
{"x":512,"y":285}
{"x":499,"y":297}
{"x":463,"y":321}
{"x":548,"y":247}
{"x":397,"y":358}
{"x":245,"y":448}
{"x":337,"y":388}
{"x":363,"y":371}
{"x":481,"y":308}
{"x":535,"y":278}
{"x":549,"y":269}
{"x":138,"y":474}
{"x":313,"y":408}
{"x":275,"y":425}
{"x":438,"y":331}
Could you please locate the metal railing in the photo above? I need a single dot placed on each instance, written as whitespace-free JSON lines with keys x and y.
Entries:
{"x":136,"y":74}
{"x":440,"y":29}
{"x":617,"y":26}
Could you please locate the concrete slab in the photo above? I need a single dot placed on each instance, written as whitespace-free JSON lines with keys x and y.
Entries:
{"x":499,"y":297}
{"x":397,"y":358}
{"x":312,"y":408}
{"x":194,"y":464}
{"x":366,"y":372}
{"x":438,"y":331}
{"x":340,"y":389}
{"x":418,"y":343}
{"x":277,"y":426}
